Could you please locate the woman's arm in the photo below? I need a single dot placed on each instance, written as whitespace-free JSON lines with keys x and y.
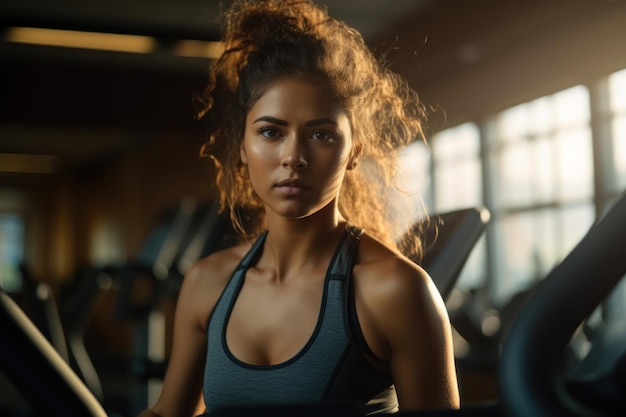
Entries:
{"x":182,"y":385}
{"x":422,"y":359}
{"x":411,"y":330}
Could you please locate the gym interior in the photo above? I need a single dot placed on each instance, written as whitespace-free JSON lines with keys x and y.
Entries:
{"x":105,"y":201}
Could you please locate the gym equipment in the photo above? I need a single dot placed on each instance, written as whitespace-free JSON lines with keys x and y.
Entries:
{"x":45,"y":311}
{"x":152,"y":264}
{"x":449,"y":239}
{"x":37,"y":370}
{"x":532,"y":378}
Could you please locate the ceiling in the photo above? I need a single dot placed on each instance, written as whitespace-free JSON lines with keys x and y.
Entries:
{"x":83,"y":106}
{"x":194,"y":19}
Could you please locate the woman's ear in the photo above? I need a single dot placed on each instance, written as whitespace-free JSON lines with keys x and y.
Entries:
{"x":242,"y":154}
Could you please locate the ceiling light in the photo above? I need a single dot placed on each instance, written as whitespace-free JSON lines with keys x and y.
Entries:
{"x":199,"y":49}
{"x":28,"y":163}
{"x":84,"y":40}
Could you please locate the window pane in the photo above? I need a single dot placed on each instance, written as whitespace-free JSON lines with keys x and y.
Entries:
{"x":572,"y":106}
{"x":619,"y":151}
{"x":473,"y":273}
{"x":458,"y":185}
{"x":617,"y":88}
{"x":529,"y":244}
{"x":544,"y":182}
{"x":514,"y":176}
{"x":413,"y":183}
{"x":540,"y":114}
{"x":541,"y":167}
{"x":11,"y":251}
{"x":575,"y":164}
{"x":413,"y":168}
{"x":617,"y":97}
{"x":512,"y":123}
{"x":461,"y":142}
{"x":523,"y":247}
{"x":457,"y":170}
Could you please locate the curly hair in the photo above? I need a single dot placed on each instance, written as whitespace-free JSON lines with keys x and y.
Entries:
{"x":271,"y":39}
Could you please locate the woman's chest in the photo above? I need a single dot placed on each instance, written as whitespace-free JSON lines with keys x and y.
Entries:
{"x":269,"y":323}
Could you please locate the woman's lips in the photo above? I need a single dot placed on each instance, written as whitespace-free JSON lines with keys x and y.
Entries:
{"x":292,"y":187}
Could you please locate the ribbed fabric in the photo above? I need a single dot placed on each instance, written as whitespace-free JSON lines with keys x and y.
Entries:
{"x":329,"y":368}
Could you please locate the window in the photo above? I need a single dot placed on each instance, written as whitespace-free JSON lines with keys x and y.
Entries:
{"x":616,"y":306}
{"x":457,"y":168}
{"x":617,"y":99}
{"x":11,"y":251}
{"x":457,"y":184}
{"x":411,"y":180}
{"x":541,"y":152}
{"x":533,"y":166}
{"x":545,"y":169}
{"x":541,"y":182}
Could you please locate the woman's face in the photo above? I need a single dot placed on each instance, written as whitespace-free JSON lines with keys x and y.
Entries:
{"x":296,"y":145}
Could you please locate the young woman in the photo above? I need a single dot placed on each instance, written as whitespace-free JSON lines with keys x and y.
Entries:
{"x":318,"y":305}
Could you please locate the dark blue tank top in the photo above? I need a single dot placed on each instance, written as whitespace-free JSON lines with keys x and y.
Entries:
{"x":330,"y":368}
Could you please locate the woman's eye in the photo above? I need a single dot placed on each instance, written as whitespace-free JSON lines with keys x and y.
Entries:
{"x":322,"y":136}
{"x":269,"y":132}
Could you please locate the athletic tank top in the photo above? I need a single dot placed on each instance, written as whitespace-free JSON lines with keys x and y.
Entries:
{"x":330,"y":368}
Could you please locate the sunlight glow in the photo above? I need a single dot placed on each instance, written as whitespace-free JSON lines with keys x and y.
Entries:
{"x":617,"y":86}
{"x":456,"y":154}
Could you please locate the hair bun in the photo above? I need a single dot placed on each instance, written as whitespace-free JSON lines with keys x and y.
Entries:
{"x":270,"y":21}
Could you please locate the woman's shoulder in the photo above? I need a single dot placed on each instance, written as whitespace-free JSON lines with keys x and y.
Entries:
{"x":377,"y":258}
{"x":216,"y":268}
{"x":205,"y":281}
{"x":385,"y":274}
{"x":395,"y":298}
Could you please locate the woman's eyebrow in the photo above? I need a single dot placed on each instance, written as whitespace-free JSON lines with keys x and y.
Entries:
{"x":323,"y":121}
{"x":315,"y":122}
{"x":270,"y":119}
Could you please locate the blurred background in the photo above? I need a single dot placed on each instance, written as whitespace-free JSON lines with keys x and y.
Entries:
{"x":100,"y":169}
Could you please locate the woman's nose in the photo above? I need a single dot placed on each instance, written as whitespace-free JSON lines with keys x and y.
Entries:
{"x":294,"y":153}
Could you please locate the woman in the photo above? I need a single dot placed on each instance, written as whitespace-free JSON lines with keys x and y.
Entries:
{"x":304,"y":125}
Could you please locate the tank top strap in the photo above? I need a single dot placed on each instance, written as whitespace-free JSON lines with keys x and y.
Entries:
{"x":253,"y":253}
{"x":227,"y":298}
{"x":341,"y":266}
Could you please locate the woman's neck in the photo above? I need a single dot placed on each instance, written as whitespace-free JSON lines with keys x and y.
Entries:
{"x":294,"y":245}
